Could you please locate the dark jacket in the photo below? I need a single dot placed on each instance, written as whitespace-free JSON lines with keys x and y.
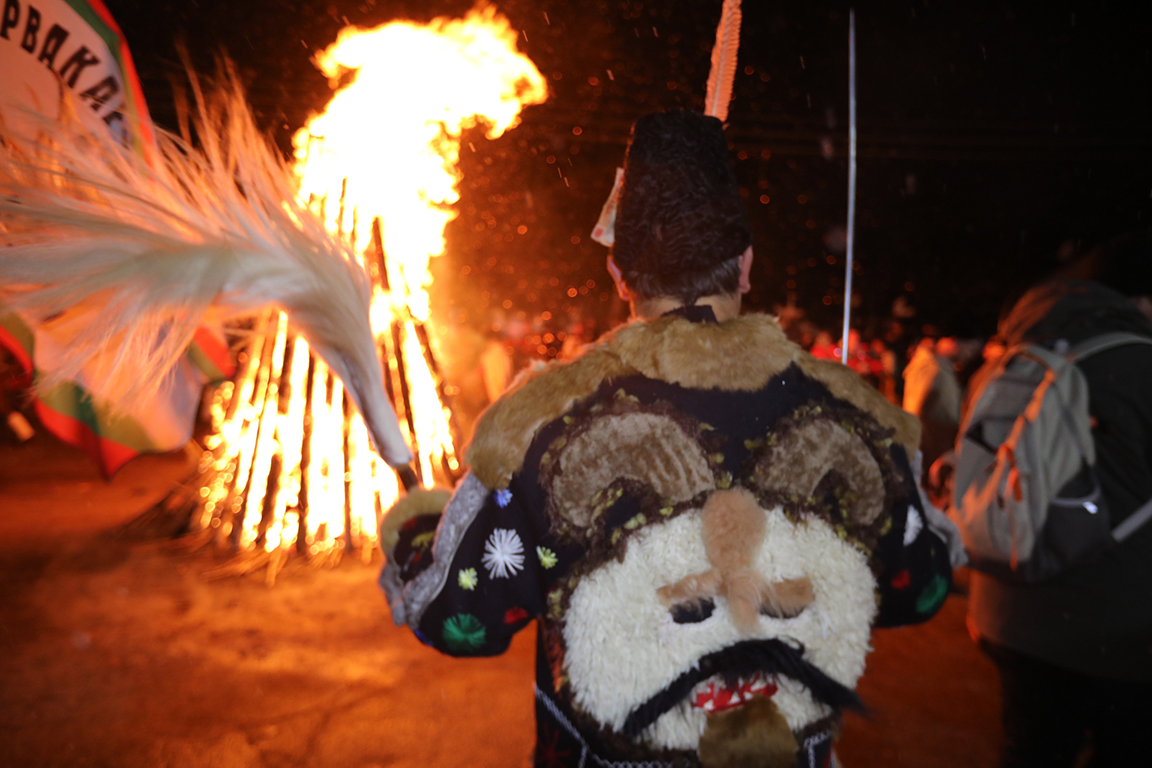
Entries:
{"x":583,"y":510}
{"x":1097,"y":617}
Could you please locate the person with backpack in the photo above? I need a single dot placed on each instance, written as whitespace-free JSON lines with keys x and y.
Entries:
{"x":1053,"y":492}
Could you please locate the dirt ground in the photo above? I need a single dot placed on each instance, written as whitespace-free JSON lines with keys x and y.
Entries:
{"x":119,"y":650}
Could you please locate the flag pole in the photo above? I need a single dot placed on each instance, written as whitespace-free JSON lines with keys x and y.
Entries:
{"x":851,"y":182}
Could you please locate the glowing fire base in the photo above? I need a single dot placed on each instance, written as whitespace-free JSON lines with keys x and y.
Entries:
{"x":288,"y":469}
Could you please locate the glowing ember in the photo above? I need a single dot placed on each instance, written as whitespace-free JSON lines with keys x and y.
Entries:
{"x":289,"y":465}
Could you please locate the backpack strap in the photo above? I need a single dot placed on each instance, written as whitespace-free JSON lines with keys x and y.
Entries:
{"x":1133,"y":522}
{"x":1084,"y":350}
{"x":1104,"y":341}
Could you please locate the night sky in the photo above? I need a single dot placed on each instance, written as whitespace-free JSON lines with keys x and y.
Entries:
{"x":996,"y":139}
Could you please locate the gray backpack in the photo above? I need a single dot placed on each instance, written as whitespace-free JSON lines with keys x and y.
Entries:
{"x":1026,"y":496}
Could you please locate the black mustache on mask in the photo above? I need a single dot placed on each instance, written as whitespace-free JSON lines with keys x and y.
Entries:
{"x":742,"y":661}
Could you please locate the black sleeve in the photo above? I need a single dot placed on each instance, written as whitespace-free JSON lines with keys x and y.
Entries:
{"x":913,"y":572}
{"x":495,"y":583}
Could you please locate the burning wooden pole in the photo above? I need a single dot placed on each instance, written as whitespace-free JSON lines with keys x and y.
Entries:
{"x":288,"y":467}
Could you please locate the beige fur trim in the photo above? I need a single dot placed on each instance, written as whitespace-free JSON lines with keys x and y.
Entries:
{"x":671,"y":349}
{"x":753,"y":349}
{"x":418,"y":501}
{"x":507,"y":428}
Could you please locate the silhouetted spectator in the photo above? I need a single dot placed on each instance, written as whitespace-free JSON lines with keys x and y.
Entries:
{"x":1075,"y":651}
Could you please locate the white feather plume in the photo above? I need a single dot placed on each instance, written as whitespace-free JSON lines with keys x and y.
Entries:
{"x":150,"y":246}
{"x":723,"y":70}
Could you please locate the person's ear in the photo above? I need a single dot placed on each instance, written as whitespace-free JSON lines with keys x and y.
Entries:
{"x":745,"y":271}
{"x":618,"y":278}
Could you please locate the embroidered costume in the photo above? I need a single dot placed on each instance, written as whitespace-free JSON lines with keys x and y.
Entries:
{"x":704,"y":520}
{"x":683,"y":507}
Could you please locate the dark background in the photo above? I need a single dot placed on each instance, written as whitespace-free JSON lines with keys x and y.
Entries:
{"x":996,"y":139}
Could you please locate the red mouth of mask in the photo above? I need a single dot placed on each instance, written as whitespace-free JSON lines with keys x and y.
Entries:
{"x":717,"y":697}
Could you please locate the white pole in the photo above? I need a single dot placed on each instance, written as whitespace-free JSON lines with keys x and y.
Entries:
{"x":851,"y":180}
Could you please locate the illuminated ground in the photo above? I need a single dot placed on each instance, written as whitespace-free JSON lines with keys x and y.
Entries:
{"x":118,"y":651}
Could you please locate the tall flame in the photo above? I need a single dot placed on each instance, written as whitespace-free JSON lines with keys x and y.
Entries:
{"x":289,"y":465}
{"x":393,"y":133}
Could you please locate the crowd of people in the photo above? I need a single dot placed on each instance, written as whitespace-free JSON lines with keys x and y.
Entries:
{"x":923,"y":371}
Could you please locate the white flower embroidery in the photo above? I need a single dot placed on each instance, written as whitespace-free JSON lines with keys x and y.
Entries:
{"x":503,"y":554}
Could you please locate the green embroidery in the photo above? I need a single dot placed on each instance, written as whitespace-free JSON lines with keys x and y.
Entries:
{"x":547,"y":557}
{"x":622,"y":395}
{"x":932,"y":595}
{"x":467,"y":579}
{"x":555,"y":604}
{"x":423,"y":540}
{"x":463,"y":632}
{"x":636,"y":522}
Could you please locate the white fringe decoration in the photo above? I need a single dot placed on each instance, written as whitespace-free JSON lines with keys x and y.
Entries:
{"x":151,"y":246}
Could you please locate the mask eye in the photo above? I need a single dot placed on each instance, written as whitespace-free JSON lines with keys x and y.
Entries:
{"x":787,"y":599}
{"x":692,"y":611}
{"x":780,"y":611}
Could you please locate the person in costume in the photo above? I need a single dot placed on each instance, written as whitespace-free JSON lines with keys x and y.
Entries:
{"x":705,"y":521}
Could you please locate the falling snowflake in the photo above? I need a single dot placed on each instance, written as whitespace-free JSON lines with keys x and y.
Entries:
{"x":547,"y":557}
{"x":467,"y":579}
{"x":503,"y":498}
{"x":463,"y":632}
{"x":503,"y":554}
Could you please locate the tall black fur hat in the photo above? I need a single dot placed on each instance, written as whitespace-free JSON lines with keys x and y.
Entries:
{"x":680,"y":212}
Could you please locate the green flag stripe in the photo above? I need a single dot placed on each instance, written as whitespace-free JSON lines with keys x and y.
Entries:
{"x":71,"y":400}
{"x":110,"y":36}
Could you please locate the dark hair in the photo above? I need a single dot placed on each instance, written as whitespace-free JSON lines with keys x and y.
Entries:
{"x":687,"y":286}
{"x":681,"y":224}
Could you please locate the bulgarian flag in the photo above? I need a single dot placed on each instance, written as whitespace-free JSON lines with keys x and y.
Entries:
{"x":47,"y":47}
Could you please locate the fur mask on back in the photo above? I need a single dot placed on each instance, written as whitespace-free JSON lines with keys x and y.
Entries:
{"x":728,"y":619}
